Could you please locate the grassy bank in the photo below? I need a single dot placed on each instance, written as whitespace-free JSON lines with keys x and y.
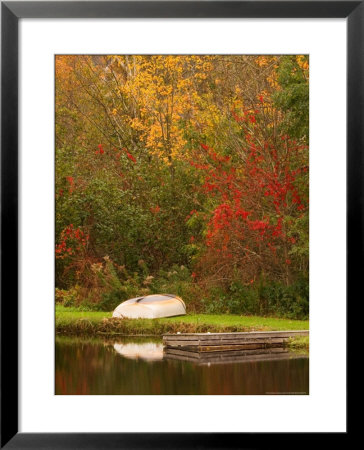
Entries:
{"x":299,"y":343}
{"x":73,"y":321}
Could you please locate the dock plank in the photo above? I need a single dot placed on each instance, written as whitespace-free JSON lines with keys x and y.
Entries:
{"x":252,"y":334}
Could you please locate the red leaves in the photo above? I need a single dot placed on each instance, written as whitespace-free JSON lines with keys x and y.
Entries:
{"x":71,"y":182}
{"x":131,"y":157}
{"x":209,"y":187}
{"x":100,"y":151}
{"x":248,"y":116}
{"x":155,"y":209}
{"x":72,"y":241}
{"x":241,"y":213}
{"x":277,"y":230}
{"x":253,"y":199}
{"x":257,"y":225}
{"x":237,"y":118}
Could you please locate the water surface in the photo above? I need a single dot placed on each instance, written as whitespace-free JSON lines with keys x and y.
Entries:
{"x":139,"y":366}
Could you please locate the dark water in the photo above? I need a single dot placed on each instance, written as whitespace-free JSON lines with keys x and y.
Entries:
{"x":137,"y":366}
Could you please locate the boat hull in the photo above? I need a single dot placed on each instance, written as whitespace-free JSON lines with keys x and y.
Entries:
{"x":151,"y":307}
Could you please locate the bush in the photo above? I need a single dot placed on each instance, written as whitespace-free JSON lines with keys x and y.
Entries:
{"x":110,"y":300}
{"x":286,"y":301}
{"x":112,"y":284}
{"x":262,"y":299}
{"x":66,"y":298}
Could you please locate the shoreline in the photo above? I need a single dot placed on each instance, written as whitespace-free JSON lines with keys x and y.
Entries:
{"x":70,"y":322}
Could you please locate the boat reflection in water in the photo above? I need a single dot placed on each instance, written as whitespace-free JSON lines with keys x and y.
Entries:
{"x":149,"y":351}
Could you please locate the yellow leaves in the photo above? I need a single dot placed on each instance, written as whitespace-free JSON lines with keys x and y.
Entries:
{"x":114,"y":112}
{"x":165,"y":89}
{"x":262,"y":61}
{"x":183,"y":83}
{"x":262,"y":96}
{"x":207,"y":66}
{"x":158,"y":144}
{"x":238,"y":104}
{"x":272,"y":80}
{"x":302,"y":61}
{"x":136,"y":124}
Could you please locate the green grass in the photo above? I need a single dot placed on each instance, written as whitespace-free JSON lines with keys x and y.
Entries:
{"x":270,"y":323}
{"x":67,"y":314}
{"x":299,"y":343}
{"x":73,"y":321}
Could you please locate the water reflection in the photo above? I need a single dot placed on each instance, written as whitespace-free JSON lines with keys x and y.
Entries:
{"x":231,"y":356}
{"x":127,"y":367}
{"x":149,"y":351}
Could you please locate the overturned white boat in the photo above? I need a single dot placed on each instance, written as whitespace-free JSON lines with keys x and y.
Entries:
{"x":151,"y":307}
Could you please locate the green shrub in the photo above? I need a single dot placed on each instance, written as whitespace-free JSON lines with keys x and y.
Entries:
{"x":286,"y":301}
{"x":110,"y":300}
{"x":264,"y":299}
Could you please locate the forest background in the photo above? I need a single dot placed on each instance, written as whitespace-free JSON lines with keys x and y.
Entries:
{"x":185,"y":175}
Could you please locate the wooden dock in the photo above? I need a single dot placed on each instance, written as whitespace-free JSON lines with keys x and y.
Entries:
{"x":217,"y":342}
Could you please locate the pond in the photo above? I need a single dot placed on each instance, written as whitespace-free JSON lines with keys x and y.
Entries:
{"x":138,"y":366}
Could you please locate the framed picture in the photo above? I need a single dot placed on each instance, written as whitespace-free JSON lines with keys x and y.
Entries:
{"x":158,"y":159}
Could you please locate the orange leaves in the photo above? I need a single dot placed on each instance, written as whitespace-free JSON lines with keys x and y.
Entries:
{"x":302,"y":61}
{"x":262,"y":61}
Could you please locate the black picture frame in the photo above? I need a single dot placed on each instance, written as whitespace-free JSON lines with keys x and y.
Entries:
{"x":11,"y":12}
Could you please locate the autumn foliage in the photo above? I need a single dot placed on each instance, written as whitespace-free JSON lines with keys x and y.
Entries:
{"x":199,"y":162}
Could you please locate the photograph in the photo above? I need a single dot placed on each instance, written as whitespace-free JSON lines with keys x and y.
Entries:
{"x":181,"y":224}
